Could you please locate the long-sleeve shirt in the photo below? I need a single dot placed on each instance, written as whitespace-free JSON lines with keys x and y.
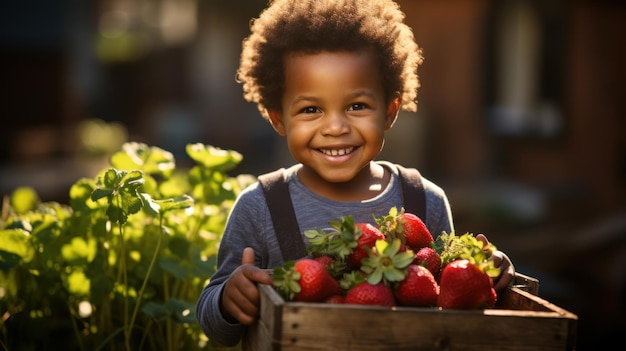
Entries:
{"x":250,"y":225}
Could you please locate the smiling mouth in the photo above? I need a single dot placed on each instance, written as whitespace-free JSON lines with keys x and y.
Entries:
{"x":337,"y":152}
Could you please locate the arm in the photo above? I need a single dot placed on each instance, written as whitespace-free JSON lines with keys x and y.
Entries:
{"x":228,"y":301}
{"x":438,"y":211}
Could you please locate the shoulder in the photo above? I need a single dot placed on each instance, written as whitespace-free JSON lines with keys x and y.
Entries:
{"x":434,"y":189}
{"x":430,"y":188}
{"x":255,"y":191}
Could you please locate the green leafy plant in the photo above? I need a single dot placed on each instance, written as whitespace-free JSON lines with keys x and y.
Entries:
{"x":121,"y":265}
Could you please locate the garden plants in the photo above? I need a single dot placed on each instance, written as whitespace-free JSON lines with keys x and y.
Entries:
{"x":121,"y":265}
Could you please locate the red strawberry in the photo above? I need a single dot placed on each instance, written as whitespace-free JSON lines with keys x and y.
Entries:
{"x":368,"y":294}
{"x":327,"y":261}
{"x":429,"y":258}
{"x":367,"y":238}
{"x":406,"y":226}
{"x":464,"y":285}
{"x":418,"y":289}
{"x":334,"y":266}
{"x":338,"y":299}
{"x":414,"y":231}
{"x":305,"y":280}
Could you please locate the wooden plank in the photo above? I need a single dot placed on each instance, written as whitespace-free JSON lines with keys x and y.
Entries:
{"x":526,"y":283}
{"x":523,"y":322}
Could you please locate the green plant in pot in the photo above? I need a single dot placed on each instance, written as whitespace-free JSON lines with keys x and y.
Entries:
{"x":121,"y":265}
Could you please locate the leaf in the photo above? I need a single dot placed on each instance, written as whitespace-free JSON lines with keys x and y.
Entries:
{"x":9,"y":260}
{"x":204,"y":269}
{"x":101,"y":286}
{"x":177,"y":203}
{"x":183,"y":311}
{"x":179,"y":246}
{"x":79,"y":250}
{"x":24,"y":199}
{"x":80,"y":194}
{"x":121,"y":189}
{"x":156,"y":311}
{"x":149,"y":159}
{"x":77,"y":283}
{"x":17,"y":242}
{"x":213,"y":158}
{"x":175,"y":267}
{"x":176,"y":185}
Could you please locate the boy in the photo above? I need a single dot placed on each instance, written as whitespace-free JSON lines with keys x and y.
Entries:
{"x":330,"y":76}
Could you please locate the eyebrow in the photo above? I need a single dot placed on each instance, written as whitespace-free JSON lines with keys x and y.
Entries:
{"x":353,"y":95}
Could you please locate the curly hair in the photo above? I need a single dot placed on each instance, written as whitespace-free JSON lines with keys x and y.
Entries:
{"x":313,"y":26}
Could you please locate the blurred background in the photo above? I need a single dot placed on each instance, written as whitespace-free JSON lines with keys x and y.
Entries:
{"x":518,"y":117}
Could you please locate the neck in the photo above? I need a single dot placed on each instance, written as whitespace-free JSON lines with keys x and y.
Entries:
{"x":367,"y":184}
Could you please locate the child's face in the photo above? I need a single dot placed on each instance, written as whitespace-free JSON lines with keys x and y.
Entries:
{"x":334,"y":113}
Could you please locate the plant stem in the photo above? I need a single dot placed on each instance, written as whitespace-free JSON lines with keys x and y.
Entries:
{"x":127,"y":330}
{"x":74,"y":316}
{"x":147,"y":277}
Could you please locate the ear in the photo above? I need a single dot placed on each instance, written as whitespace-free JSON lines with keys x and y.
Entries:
{"x":392,"y":112}
{"x":276,"y":120}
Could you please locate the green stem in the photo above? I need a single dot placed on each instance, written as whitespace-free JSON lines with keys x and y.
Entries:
{"x":146,"y":332}
{"x":166,"y":297}
{"x":109,"y":338}
{"x":147,"y":277}
{"x":74,"y":316}
{"x":127,"y":330}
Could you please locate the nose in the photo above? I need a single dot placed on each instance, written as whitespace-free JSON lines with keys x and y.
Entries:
{"x":335,"y":123}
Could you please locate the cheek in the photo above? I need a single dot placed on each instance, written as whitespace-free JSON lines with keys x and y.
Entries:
{"x":298,"y":134}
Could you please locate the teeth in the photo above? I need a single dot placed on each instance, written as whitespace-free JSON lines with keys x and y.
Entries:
{"x":337,"y":152}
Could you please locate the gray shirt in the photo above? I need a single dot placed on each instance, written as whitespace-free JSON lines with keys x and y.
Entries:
{"x":250,"y":225}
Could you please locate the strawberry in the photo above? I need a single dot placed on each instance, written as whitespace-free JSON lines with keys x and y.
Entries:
{"x":369,"y":294}
{"x":407,"y":227}
{"x":463,"y":285}
{"x":334,"y":266}
{"x":327,"y":261}
{"x":305,"y":280}
{"x":418,"y":289}
{"x":366,"y":236}
{"x":429,"y":258}
{"x":337,"y":299}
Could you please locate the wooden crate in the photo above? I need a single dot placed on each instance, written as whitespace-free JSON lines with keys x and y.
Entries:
{"x":521,"y":321}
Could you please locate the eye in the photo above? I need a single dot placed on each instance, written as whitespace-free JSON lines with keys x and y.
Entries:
{"x":310,"y":109}
{"x":357,"y":106}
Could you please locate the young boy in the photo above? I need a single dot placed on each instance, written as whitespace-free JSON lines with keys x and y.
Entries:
{"x":330,"y":76}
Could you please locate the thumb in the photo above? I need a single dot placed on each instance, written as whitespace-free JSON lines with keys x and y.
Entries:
{"x":483,"y":239}
{"x":248,"y":256}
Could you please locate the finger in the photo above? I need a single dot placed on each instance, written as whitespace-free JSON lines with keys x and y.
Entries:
{"x":482,"y":238}
{"x":248,"y":256}
{"x":253,"y":273}
{"x":505,"y":279}
{"x":245,"y":314}
{"x":239,"y":300}
{"x":497,"y":258}
{"x":501,"y":283}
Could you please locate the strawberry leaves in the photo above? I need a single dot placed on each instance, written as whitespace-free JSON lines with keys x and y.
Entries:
{"x":339,"y":242}
{"x":285,"y":280}
{"x":452,"y":247}
{"x":386,"y":262}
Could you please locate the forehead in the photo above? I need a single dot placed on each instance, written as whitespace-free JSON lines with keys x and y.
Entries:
{"x":359,"y":67}
{"x":325,"y":57}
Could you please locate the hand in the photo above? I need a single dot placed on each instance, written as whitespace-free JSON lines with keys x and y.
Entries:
{"x":503,"y":262}
{"x":240,"y":298}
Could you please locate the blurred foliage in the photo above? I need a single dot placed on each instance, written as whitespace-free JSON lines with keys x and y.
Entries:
{"x":120,"y":267}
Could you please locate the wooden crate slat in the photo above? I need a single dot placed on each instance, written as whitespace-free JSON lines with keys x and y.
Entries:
{"x":522,"y":322}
